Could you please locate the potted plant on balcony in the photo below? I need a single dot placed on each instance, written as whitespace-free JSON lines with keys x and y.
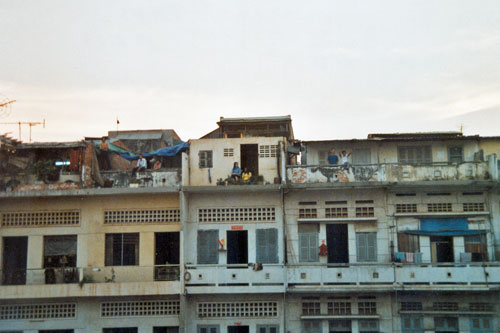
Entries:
{"x":46,"y":171}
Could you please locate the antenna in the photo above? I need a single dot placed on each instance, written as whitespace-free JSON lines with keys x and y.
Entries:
{"x":5,"y":106}
{"x":29,"y":123}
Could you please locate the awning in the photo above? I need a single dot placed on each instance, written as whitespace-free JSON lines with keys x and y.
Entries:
{"x":444,"y":227}
{"x":164,"y":152}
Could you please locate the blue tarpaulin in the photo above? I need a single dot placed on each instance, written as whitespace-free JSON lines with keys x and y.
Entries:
{"x":444,"y":227}
{"x":164,"y":152}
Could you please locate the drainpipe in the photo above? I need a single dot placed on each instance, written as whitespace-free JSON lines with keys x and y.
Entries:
{"x":283,"y":162}
{"x":183,"y":295}
{"x":285,"y":272}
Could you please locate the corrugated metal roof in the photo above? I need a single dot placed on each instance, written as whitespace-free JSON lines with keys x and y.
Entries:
{"x":255,"y":119}
{"x":48,"y":145}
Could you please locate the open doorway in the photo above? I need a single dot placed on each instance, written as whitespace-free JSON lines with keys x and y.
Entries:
{"x":15,"y":255}
{"x":337,"y":242}
{"x":237,"y":247}
{"x":250,"y":158}
{"x":167,"y":245}
{"x":442,"y":249}
{"x":238,"y":329}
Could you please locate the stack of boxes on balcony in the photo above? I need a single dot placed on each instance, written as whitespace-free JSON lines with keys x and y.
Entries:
{"x":403,"y":239}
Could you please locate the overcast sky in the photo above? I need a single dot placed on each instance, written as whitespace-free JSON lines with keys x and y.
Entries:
{"x":341,"y":69}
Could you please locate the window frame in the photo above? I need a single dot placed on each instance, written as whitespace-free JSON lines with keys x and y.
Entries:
{"x":208,"y":328}
{"x":109,"y":257}
{"x":364,"y":237}
{"x":207,"y":253}
{"x":481,"y":329}
{"x":413,"y":319}
{"x":205,"y":159}
{"x":311,"y":237}
{"x":453,"y":157}
{"x":421,"y":150}
{"x":268,"y":328}
{"x":267,"y":253}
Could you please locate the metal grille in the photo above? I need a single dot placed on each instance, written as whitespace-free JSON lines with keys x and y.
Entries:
{"x":481,"y":307}
{"x":238,"y":309}
{"x":365,"y":212}
{"x":268,"y":150}
{"x":439,"y":207}
{"x":406,"y":208}
{"x":311,"y":308}
{"x":228,"y":152}
{"x":445,"y":306}
{"x":473,"y":206}
{"x":141,"y":216}
{"x":41,"y":219}
{"x":411,"y":306}
{"x":339,"y":308}
{"x":262,"y":214}
{"x":336,"y":212}
{"x":38,"y":311}
{"x":139,"y":309}
{"x":305,"y":213}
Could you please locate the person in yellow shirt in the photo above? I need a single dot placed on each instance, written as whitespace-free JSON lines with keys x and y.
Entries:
{"x":246,"y":175}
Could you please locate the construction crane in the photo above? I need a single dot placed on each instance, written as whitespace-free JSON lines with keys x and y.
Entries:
{"x":29,"y":123}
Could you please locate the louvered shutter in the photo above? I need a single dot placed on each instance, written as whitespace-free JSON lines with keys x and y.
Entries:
{"x":207,"y":247}
{"x":267,"y":246}
{"x":313,"y":248}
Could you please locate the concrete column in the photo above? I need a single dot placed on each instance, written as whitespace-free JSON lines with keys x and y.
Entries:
{"x":354,"y":326}
{"x":458,"y":247}
{"x":146,"y":249}
{"x":185,"y":169}
{"x":81,"y":250}
{"x":322,"y":237}
{"x":425,"y":248}
{"x":35,"y":252}
{"x":353,"y":252}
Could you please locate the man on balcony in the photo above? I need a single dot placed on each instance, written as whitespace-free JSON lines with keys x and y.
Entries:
{"x":142,"y":164}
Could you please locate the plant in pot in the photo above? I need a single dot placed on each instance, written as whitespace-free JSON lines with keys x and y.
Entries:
{"x":46,"y":171}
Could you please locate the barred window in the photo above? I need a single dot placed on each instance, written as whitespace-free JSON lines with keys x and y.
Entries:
{"x":228,"y":152}
{"x":311,"y":307}
{"x":439,"y":207}
{"x":254,"y":214}
{"x":473,"y":206}
{"x":41,"y":218}
{"x":339,"y":308}
{"x":482,"y":307}
{"x":367,"y":308}
{"x":406,"y":208}
{"x":365,"y":212}
{"x":335,"y":212}
{"x":38,"y":311}
{"x":141,"y":216}
{"x":205,"y":159}
{"x":445,"y":306}
{"x":411,"y":306}
{"x":139,"y":309}
{"x":237,"y":309}
{"x":268,"y":150}
{"x":308,"y":213}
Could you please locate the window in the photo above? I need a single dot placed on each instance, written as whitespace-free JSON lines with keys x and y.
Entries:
{"x":308,"y":251}
{"x":367,"y":246}
{"x":476,"y":245}
{"x":40,"y":219}
{"x":205,"y":158}
{"x":60,"y":252}
{"x":481,"y":324}
{"x":122,"y":249}
{"x":208,"y":244}
{"x":473,"y":206}
{"x":446,"y":324}
{"x":268,"y":328}
{"x":139,"y":308}
{"x":365,"y":212}
{"x":339,"y":308}
{"x":368,"y":326}
{"x":445,"y":306}
{"x":406,"y":208}
{"x":367,"y":308}
{"x":455,"y":154}
{"x":438,"y":207}
{"x":267,"y":246}
{"x":311,"y":306}
{"x":237,"y":214}
{"x":412,"y":324}
{"x":339,"y":325}
{"x":311,"y":326}
{"x":481,"y":307}
{"x":208,"y":328}
{"x":308,"y":213}
{"x":411,"y":306}
{"x":268,"y":151}
{"x":120,"y":330}
{"x":256,"y":309}
{"x":165,"y":329}
{"x":53,"y":331}
{"x":415,"y":155}
{"x":228,"y":152}
{"x":361,"y":157}
{"x":38,"y":311}
{"x":408,"y":243}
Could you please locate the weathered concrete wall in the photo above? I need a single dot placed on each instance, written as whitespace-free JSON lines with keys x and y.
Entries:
{"x":222,"y":165}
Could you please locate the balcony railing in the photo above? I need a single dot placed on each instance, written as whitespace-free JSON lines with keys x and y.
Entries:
{"x":387,"y":172}
{"x":83,"y":275}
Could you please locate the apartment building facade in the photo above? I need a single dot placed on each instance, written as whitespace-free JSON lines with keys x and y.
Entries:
{"x":403,"y":238}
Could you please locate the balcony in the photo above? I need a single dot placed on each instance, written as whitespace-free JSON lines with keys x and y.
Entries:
{"x":389,"y":172}
{"x":448,"y":276}
{"x":91,"y":281}
{"x":352,"y":277}
{"x":201,"y":279}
